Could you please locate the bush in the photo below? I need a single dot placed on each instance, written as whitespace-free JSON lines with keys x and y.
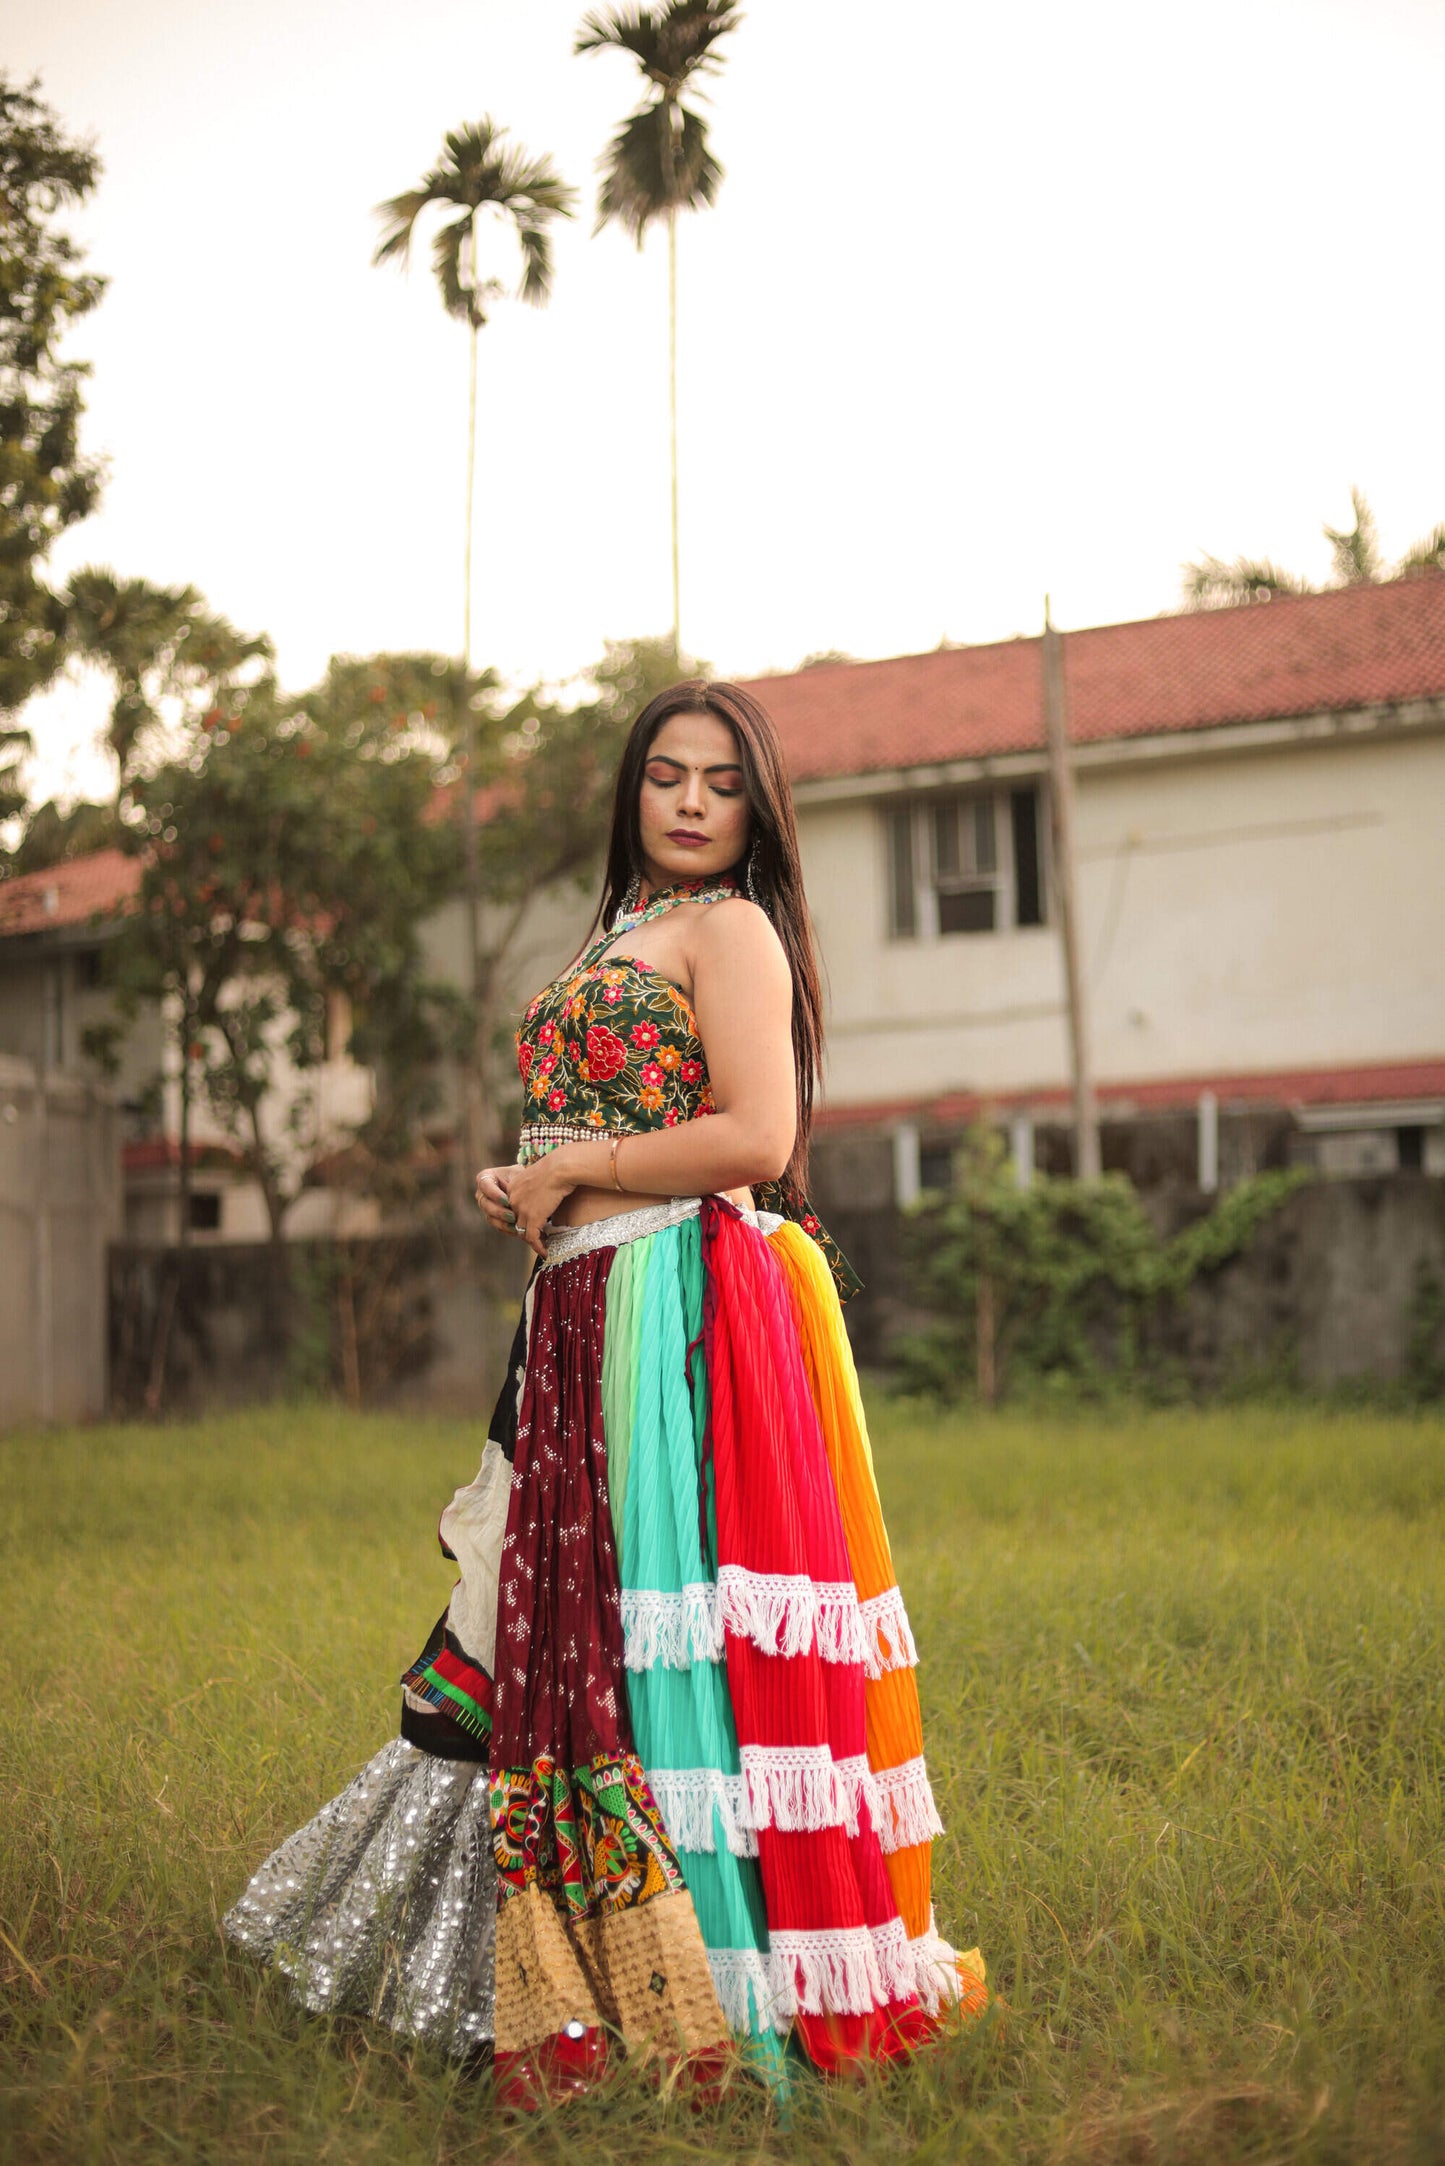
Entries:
{"x":1062,"y":1285}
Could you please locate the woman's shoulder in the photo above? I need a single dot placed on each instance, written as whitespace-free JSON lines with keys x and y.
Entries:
{"x":737,"y":931}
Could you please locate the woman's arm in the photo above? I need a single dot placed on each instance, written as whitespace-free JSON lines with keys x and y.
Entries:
{"x":742,"y":997}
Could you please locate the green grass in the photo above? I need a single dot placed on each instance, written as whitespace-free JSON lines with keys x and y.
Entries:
{"x":1184,"y":1685}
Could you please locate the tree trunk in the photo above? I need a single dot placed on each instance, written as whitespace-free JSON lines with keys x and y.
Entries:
{"x":672,"y":421}
{"x":183,"y":1173}
{"x":987,"y":1341}
{"x":472,"y":1108}
{"x":672,"y":120}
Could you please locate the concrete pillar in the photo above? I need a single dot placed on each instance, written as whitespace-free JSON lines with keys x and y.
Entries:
{"x":1021,"y":1148}
{"x":907,"y":1164}
{"x":1208,"y":1142}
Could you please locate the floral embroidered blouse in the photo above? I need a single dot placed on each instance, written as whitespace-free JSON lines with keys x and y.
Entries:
{"x":612,"y":1047}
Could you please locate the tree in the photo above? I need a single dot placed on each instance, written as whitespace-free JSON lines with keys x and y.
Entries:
{"x":46,"y":485}
{"x":1355,"y":560}
{"x":289,"y":858}
{"x":477,"y":174}
{"x":53,"y":835}
{"x":157,"y":644}
{"x":659,"y":161}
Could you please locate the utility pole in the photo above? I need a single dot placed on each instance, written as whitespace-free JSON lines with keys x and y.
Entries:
{"x":1087,"y":1161}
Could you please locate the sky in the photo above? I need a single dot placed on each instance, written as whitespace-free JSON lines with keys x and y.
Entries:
{"x":994,"y":302}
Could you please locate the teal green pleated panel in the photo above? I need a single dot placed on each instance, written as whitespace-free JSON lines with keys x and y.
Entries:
{"x":681,"y":1717}
{"x":617,"y":1366}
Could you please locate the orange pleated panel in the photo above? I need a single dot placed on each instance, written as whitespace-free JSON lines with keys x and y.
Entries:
{"x":895,"y":1723}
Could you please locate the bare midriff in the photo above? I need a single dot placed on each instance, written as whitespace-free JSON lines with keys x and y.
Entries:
{"x":584,"y":1206}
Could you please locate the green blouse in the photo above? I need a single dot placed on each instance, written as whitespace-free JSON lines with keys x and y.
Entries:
{"x":612,"y":1048}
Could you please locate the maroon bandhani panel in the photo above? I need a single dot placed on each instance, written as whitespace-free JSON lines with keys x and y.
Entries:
{"x":595,"y":1927}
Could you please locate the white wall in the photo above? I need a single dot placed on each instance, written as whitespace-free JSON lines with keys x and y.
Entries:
{"x":1246,"y":912}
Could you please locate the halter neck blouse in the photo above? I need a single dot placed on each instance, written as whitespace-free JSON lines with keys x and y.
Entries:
{"x":612,"y":1048}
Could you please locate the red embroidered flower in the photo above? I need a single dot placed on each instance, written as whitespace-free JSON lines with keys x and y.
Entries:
{"x":811,"y":1224}
{"x":691,"y":1071}
{"x":606,"y":1054}
{"x":525,"y":1056}
{"x":643,"y":1036}
{"x":545,"y":1067}
{"x":555,"y":1101}
{"x":651,"y":1074}
{"x":671,"y":1117}
{"x":612,"y":994}
{"x":574,"y":1051}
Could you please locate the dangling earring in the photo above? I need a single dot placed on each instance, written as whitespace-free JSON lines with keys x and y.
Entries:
{"x":750,"y":881}
{"x":632,"y":897}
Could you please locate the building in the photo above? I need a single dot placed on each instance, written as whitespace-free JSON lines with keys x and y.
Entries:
{"x":1261,"y":874}
{"x":1260,"y":815}
{"x":55,"y":1005}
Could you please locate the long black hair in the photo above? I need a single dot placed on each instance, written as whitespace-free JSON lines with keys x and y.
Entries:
{"x":776,"y":871}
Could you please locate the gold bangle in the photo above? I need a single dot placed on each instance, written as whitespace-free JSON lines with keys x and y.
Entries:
{"x":612,"y":1163}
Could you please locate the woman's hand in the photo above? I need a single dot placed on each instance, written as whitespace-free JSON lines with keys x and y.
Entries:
{"x":491,"y":1194}
{"x":521,"y":1199}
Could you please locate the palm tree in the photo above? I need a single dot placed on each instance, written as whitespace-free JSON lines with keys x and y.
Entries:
{"x":1355,"y":558}
{"x":659,"y":160}
{"x":477,"y":173}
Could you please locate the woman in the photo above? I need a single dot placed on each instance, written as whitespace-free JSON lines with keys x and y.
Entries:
{"x":660,"y":1782}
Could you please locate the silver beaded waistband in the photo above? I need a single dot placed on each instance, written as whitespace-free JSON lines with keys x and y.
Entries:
{"x":568,"y":1242}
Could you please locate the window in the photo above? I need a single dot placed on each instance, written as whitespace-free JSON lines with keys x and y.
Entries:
{"x":205,"y":1210}
{"x":971,"y":862}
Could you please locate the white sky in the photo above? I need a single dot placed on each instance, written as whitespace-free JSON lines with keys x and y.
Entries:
{"x":993,"y":300}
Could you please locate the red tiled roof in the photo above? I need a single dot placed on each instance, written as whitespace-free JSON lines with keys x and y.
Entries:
{"x":154,"y":1154}
{"x":100,"y":884}
{"x":1295,"y":1087}
{"x":1296,"y":655}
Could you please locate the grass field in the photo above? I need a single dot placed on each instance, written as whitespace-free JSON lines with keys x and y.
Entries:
{"x":1184,"y":1683}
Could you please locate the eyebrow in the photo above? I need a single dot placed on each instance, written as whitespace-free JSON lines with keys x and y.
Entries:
{"x":724,"y":767}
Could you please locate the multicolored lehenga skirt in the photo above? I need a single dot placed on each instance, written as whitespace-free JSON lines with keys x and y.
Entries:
{"x":660,"y":1783}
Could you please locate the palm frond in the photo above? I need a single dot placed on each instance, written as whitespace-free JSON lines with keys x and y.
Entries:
{"x":448,"y":244}
{"x":536,"y":246}
{"x":1355,"y":551}
{"x":635,"y":167}
{"x":1212,"y":584}
{"x":399,"y":215}
{"x":479,"y":172}
{"x":1425,"y":555}
{"x":628,"y":30}
{"x":670,"y":44}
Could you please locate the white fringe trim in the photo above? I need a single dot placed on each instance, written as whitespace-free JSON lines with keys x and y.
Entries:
{"x":860,"y":1787}
{"x":935,"y":1969}
{"x":796,"y":1788}
{"x":687,"y":1798}
{"x":744,"y":1983}
{"x":848,"y":1973}
{"x":782,"y":1613}
{"x":905,"y":1813}
{"x":887,"y":1635}
{"x":675,"y":1630}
